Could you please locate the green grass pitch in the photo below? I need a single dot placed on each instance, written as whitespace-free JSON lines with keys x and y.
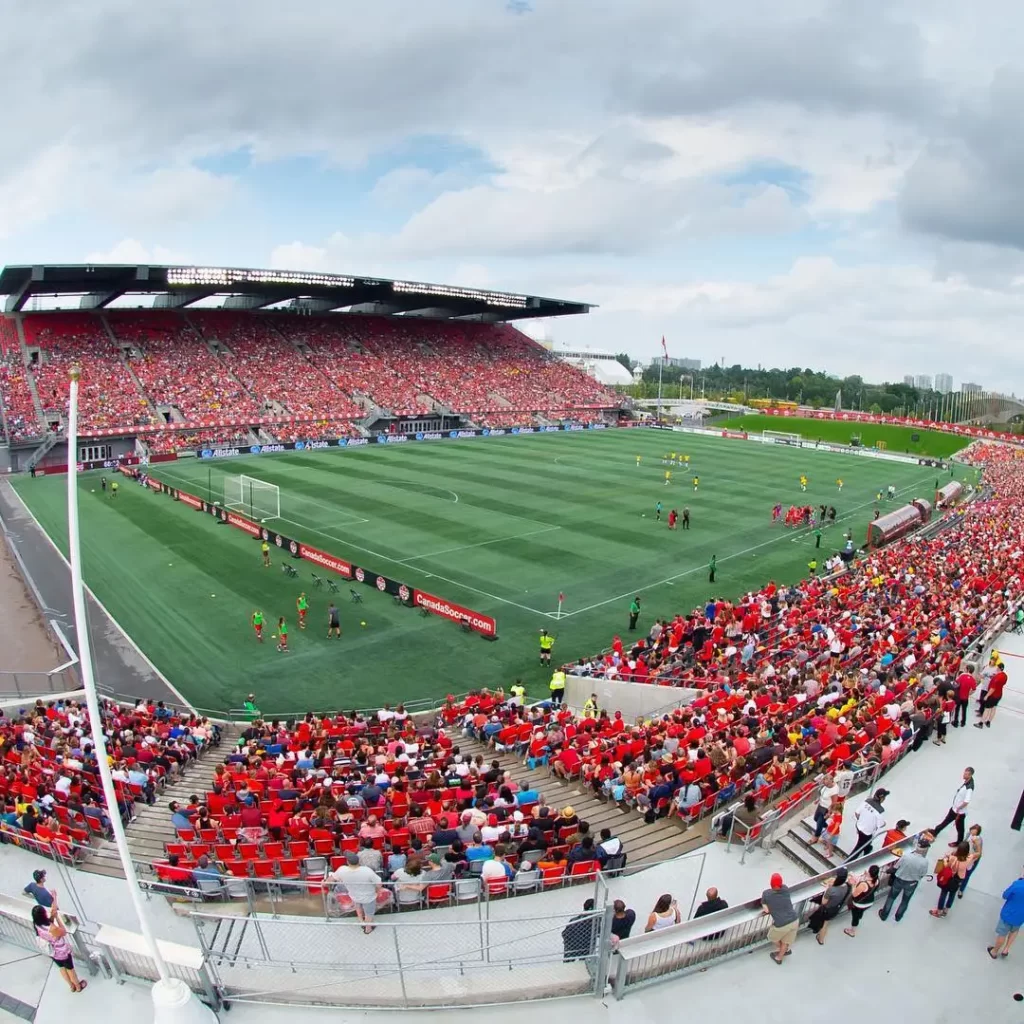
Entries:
{"x":934,"y":444}
{"x":498,"y":524}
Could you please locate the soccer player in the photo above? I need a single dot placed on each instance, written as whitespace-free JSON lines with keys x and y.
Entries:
{"x":776,"y":512}
{"x":839,"y":483}
{"x":113,"y":488}
{"x":282,"y":635}
{"x":265,"y":549}
{"x":892,"y":492}
{"x":333,"y":622}
{"x":302,"y":606}
{"x":803,"y":482}
{"x":672,"y":516}
{"x":686,"y":517}
{"x":668,"y":477}
{"x":831,"y":513}
{"x":103,"y":484}
{"x":547,"y":641}
{"x":257,"y":624}
{"x":712,"y":566}
{"x":686,"y":459}
{"x":672,"y":458}
{"x":696,"y":484}
{"x":657,"y":511}
{"x":639,"y":457}
{"x":812,"y":567}
{"x":878,"y":497}
{"x":817,"y":536}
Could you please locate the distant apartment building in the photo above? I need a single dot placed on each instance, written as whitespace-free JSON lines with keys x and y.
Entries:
{"x":909,"y":380}
{"x":943,"y":383}
{"x":923,"y":382}
{"x":968,"y":388}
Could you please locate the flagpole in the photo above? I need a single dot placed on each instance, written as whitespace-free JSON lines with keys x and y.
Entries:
{"x":661,"y":369}
{"x":173,"y":1001}
{"x":561,"y":598}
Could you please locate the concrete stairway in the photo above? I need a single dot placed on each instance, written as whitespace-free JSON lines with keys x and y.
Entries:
{"x":642,"y":843}
{"x":812,"y":859}
{"x":152,"y":825}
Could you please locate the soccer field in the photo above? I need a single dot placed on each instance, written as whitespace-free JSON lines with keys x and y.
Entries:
{"x":500,"y":525}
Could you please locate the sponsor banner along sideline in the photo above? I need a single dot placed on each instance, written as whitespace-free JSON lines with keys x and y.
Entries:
{"x":482,"y":624}
{"x":485,"y":625}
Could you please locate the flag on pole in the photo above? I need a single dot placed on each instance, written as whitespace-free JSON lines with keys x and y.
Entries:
{"x":561,"y":597}
{"x":664,"y":347}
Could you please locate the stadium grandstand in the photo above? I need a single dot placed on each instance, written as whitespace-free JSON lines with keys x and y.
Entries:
{"x":178,"y":358}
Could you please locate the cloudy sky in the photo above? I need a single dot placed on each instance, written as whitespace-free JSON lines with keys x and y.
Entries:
{"x":831,"y":184}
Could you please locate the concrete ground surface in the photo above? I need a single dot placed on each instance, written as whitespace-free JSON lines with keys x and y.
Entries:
{"x":923,"y":969}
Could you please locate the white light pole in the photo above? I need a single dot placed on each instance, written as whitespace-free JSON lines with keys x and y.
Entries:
{"x":173,"y":1001}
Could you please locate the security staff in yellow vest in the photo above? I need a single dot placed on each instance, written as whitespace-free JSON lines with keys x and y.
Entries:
{"x":590,"y":706}
{"x":557,"y":687}
{"x":547,"y":641}
{"x":518,"y":692}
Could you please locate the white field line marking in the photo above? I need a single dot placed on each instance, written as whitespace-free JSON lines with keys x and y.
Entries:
{"x":398,"y":561}
{"x":698,"y":568}
{"x":481,"y":544}
{"x":117,"y":625}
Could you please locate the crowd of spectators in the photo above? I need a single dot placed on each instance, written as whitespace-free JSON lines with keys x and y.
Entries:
{"x":16,"y":395}
{"x":49,"y":782}
{"x":272,"y":368}
{"x":318,"y":797}
{"x":828,"y":673}
{"x":108,"y":396}
{"x":166,"y":442}
{"x":222,"y":366}
{"x":176,"y":368}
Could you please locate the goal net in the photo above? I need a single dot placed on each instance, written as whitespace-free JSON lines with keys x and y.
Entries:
{"x":254,"y":498}
{"x":780,"y":437}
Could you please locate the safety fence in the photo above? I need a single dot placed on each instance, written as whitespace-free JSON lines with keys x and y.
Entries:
{"x":39,"y":684}
{"x":642,"y":960}
{"x":472,"y":956}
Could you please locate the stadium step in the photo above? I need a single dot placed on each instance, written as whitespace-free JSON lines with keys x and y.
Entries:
{"x":643,"y":843}
{"x":812,"y":859}
{"x":152,"y":825}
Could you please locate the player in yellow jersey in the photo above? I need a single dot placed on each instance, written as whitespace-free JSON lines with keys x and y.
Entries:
{"x":638,"y":458}
{"x":686,"y":459}
{"x":265,"y":549}
{"x":839,"y":483}
{"x":696,"y":484}
{"x":668,"y":477}
{"x":803,"y":482}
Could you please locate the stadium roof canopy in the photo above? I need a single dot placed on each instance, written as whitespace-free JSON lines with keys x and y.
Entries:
{"x":89,"y":287}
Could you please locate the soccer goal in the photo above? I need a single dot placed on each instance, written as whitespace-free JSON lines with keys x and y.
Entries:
{"x":780,"y":437}
{"x":252,"y":497}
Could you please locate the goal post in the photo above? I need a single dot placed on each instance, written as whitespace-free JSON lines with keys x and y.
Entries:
{"x":253,"y":497}
{"x":781,"y":437}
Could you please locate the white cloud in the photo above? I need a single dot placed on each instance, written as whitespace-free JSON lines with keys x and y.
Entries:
{"x":131,"y":250}
{"x":878,"y":141}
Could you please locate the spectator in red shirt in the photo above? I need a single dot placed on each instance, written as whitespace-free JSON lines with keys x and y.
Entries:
{"x":965,"y":684}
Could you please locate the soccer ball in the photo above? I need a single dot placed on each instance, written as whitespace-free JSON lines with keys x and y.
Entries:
{"x":362,"y":623}
{"x":94,"y":490}
{"x":643,"y":515}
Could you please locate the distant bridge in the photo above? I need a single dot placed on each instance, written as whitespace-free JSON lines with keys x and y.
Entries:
{"x":693,"y":406}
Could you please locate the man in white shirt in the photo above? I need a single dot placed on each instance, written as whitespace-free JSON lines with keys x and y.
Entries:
{"x":362,"y":885}
{"x":826,"y":797}
{"x":496,"y":867}
{"x":957,"y":812}
{"x":870,"y":821}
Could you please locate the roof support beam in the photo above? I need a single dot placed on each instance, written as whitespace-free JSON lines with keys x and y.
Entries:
{"x":182,"y":298}
{"x":244,"y":302}
{"x":98,"y":300}
{"x":16,"y":302}
{"x":307,"y":305}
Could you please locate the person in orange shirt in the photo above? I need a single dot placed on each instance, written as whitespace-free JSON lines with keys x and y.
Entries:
{"x":833,"y":828}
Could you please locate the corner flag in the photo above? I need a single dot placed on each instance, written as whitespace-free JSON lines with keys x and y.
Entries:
{"x":664,"y":347}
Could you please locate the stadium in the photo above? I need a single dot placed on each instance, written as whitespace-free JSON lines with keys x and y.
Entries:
{"x":543,"y":658}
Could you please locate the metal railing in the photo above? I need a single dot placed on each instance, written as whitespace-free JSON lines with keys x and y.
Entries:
{"x":63,"y":679}
{"x":413,"y":963}
{"x":694,"y":945}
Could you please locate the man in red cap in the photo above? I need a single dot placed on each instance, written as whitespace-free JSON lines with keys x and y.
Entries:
{"x":778,"y":903}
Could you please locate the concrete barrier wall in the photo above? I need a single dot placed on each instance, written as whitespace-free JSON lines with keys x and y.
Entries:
{"x":634,"y":700}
